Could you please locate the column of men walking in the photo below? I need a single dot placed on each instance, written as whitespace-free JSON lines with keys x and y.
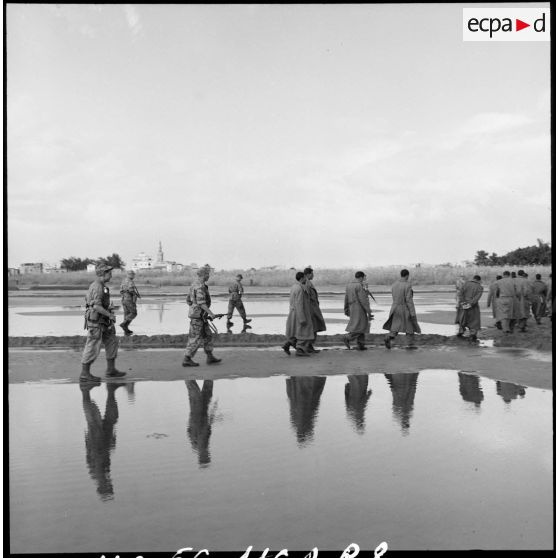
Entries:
{"x":512,"y":299}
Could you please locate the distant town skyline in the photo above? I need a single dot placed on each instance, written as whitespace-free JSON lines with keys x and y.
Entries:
{"x":342,"y":135}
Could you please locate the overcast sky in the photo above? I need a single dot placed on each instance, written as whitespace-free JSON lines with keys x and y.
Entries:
{"x":253,"y":135}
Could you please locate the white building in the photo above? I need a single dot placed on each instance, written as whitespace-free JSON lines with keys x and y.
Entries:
{"x":145,"y":262}
{"x":142,"y":261}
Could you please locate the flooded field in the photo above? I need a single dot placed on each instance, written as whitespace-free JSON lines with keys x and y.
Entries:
{"x":30,"y":316}
{"x":438,"y":459}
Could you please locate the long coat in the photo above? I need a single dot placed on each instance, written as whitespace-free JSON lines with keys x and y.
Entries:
{"x":318,"y":322}
{"x":357,"y":307}
{"x":492,"y":299}
{"x":506,"y":293}
{"x":402,"y":315}
{"x":470,"y":293}
{"x":520,"y":310}
{"x":299,"y":312}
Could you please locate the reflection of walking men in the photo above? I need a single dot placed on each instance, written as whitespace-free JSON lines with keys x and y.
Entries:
{"x":357,"y":395}
{"x":236,"y":290}
{"x":304,"y":400}
{"x":468,"y":314}
{"x":100,"y":438}
{"x":199,"y":314}
{"x":99,"y":321}
{"x":402,"y":315}
{"x":199,"y":426}
{"x":130,"y":295}
{"x":318,"y":322}
{"x":357,"y":308}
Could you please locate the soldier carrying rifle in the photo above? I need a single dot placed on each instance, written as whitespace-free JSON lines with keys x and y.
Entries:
{"x":130,"y":295}
{"x":200,"y":314}
{"x":99,"y":322}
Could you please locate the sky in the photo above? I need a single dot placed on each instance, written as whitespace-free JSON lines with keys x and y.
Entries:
{"x":255,"y":135}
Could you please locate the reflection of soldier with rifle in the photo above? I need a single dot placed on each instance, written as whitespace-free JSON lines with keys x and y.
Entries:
{"x":200,"y":315}
{"x":100,"y":437}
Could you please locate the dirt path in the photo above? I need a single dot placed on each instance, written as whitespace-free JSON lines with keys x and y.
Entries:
{"x":511,"y":365}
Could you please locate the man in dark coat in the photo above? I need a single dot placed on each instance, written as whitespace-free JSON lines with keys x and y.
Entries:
{"x":492,"y":301}
{"x":299,"y":329}
{"x":357,"y":308}
{"x":318,"y":322}
{"x":402,"y":315}
{"x":506,"y":293}
{"x":468,"y":315}
{"x":538,"y":302}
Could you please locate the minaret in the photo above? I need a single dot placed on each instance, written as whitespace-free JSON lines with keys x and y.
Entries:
{"x":160,"y":258}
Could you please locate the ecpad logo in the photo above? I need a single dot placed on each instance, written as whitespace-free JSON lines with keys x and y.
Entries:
{"x":506,"y":24}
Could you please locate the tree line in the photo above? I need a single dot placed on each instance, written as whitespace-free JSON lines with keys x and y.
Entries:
{"x":79,"y":264}
{"x":539,"y":254}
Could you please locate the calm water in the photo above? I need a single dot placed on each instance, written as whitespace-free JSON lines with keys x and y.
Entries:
{"x":169,"y":316}
{"x":429,"y":460}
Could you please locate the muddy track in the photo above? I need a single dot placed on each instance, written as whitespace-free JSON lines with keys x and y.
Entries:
{"x":540,"y":339}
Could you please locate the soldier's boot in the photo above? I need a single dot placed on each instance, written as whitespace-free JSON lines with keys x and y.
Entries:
{"x":286,"y":347}
{"x":211,"y":359}
{"x":311,"y":349}
{"x":473,"y":338}
{"x":387,"y":341}
{"x":499,"y":325}
{"x":124,"y":326}
{"x":346,"y":341}
{"x":229,"y":323}
{"x":246,"y":326}
{"x":86,"y":375}
{"x":189,"y":362}
{"x":361,"y":347}
{"x":112,"y":372}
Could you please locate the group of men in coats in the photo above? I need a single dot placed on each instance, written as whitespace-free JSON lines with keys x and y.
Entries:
{"x":305,"y":318}
{"x":514,"y":297}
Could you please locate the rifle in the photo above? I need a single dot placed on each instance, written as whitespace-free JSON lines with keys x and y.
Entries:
{"x":216,"y":316}
{"x":369,"y":293}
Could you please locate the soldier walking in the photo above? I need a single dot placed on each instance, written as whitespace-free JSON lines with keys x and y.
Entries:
{"x":236,"y":290}
{"x":130,"y":295}
{"x":99,"y":322}
{"x":200,"y":314}
{"x":318,"y":322}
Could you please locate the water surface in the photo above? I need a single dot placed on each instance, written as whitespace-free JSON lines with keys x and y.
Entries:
{"x":431,"y":460}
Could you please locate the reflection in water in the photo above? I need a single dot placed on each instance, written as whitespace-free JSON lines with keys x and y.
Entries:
{"x":161,"y":312}
{"x":131,"y":391}
{"x":100,"y":438}
{"x":356,"y":398}
{"x":201,"y":419}
{"x":509,"y":391}
{"x":304,"y":399}
{"x":470,"y":389}
{"x":403,"y":388}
